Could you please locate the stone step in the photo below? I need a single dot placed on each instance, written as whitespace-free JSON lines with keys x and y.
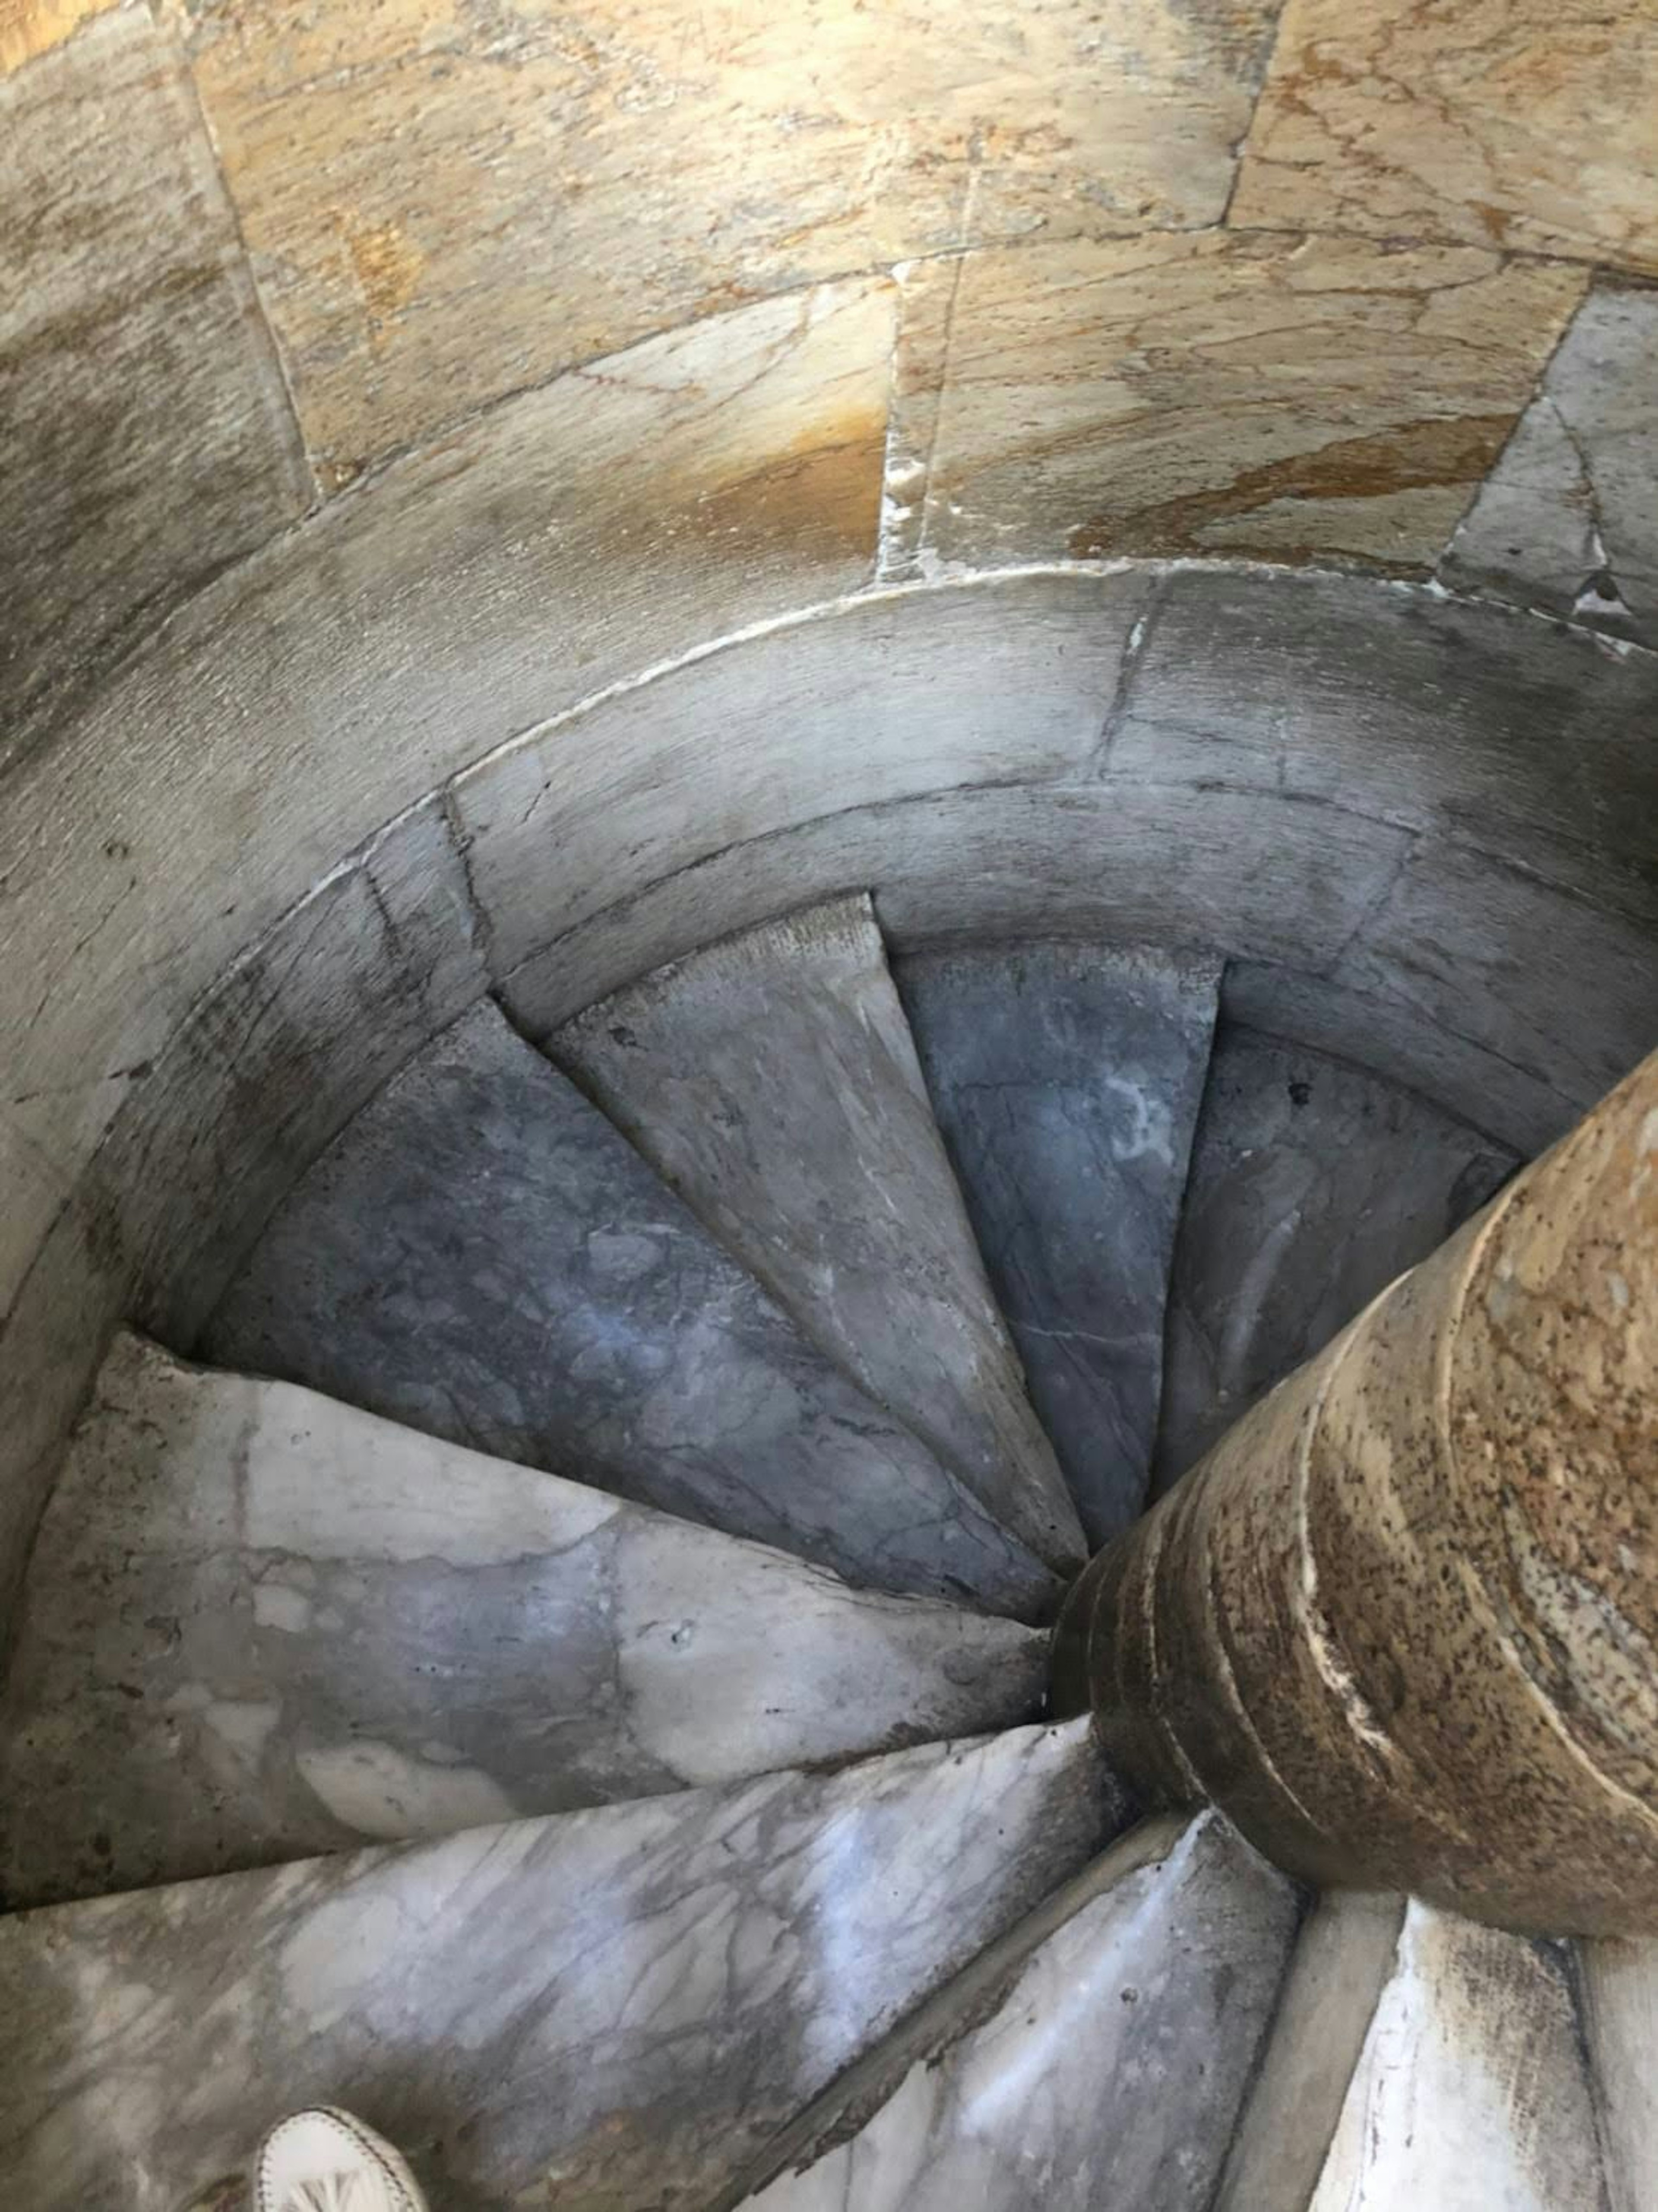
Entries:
{"x":481,"y":1254}
{"x":261,"y":1623}
{"x":1312,"y":1184}
{"x":1420,"y":2060}
{"x":1097,"y":2056}
{"x":772,"y":1080}
{"x":612,"y":2008}
{"x":1067,"y":1080}
{"x":1618,"y":1980}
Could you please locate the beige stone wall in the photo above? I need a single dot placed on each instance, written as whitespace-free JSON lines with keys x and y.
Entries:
{"x":1265,"y":278}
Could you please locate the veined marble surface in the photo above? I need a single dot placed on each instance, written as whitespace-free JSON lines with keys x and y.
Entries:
{"x":1109,"y":2072}
{"x":1471,"y":2090}
{"x":612,"y":2008}
{"x":773,"y":1079}
{"x":483,"y":1255}
{"x":1313,"y":1183}
{"x":1067,"y":1079}
{"x":260,"y":1623}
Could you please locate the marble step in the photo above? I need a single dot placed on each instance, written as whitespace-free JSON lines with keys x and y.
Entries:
{"x":1617,"y":1978}
{"x":1100,"y":2061}
{"x":481,"y":1254}
{"x":773,"y":1081}
{"x":611,"y":2007}
{"x":1312,"y":1184}
{"x":260,"y":1623}
{"x":1420,"y":2061}
{"x":1067,"y":1080}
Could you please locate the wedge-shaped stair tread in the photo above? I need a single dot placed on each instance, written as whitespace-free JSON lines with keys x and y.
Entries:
{"x":261,"y":1623}
{"x":1467,"y":2091}
{"x":773,"y":1079}
{"x":608,"y":2008}
{"x":482,"y":1255}
{"x":1618,"y":1979}
{"x":1313,"y":1183}
{"x":1104,"y":2067}
{"x":1067,"y":1080}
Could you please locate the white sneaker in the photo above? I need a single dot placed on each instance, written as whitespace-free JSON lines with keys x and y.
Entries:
{"x":324,"y":2161}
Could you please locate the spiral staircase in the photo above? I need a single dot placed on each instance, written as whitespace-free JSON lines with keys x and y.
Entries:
{"x":777,"y":789}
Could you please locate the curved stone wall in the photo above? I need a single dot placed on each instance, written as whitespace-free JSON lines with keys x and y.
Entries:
{"x":496,"y":496}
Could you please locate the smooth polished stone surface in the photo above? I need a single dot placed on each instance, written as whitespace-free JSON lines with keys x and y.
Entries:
{"x":772,"y":1080}
{"x":1107,"y":2070}
{"x":482,"y":1255}
{"x":1525,"y":124}
{"x":146,"y":436}
{"x":1471,"y":2090}
{"x":259,"y":1623}
{"x":1312,"y":1184}
{"x":1567,"y":519}
{"x":444,"y":208}
{"x":611,"y":2007}
{"x":1067,"y":1079}
{"x":1114,"y":398}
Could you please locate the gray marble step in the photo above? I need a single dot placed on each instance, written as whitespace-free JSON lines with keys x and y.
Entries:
{"x":260,"y":1623}
{"x":773,"y":1081}
{"x":483,"y":1255}
{"x":1101,"y":2065}
{"x":1469,"y":2090}
{"x":1312,"y":1184}
{"x":1067,"y":1080}
{"x":608,"y":2009}
{"x":1619,"y":1981}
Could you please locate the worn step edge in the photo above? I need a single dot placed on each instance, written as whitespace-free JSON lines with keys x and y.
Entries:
{"x":849,"y":2102}
{"x":1340,"y":1966}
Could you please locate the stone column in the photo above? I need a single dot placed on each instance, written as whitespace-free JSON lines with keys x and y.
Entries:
{"x":1401,"y":1624}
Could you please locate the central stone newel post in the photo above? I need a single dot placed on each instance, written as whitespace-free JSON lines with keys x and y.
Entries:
{"x":1401,"y":1624}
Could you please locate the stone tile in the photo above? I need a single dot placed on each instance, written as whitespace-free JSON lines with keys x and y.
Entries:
{"x":403,"y":244}
{"x":1288,"y":397}
{"x":1523,"y":125}
{"x":1567,"y":519}
{"x":1108,"y":2069}
{"x":146,"y":437}
{"x":884,"y":698}
{"x":260,"y":1624}
{"x":463,"y":1995}
{"x":1312,"y":1185}
{"x":1067,"y":1080}
{"x":31,"y":26}
{"x":293,"y":709}
{"x":771,"y":1080}
{"x":482,"y":1255}
{"x":1488,"y":727}
{"x":1471,"y":2089}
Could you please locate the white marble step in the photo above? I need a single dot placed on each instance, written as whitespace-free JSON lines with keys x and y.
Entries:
{"x":1312,"y":1184}
{"x":1098,"y":2060}
{"x":1619,"y":1981}
{"x":481,"y":1255}
{"x":1067,"y":1079}
{"x":1422,"y":2063}
{"x":260,"y":1623}
{"x":613,"y":2007}
{"x":772,"y":1080}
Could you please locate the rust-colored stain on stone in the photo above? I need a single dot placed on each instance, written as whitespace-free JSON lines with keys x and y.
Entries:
{"x":387,"y":267}
{"x":28,"y":27}
{"x":821,"y":493}
{"x":1448,"y":452}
